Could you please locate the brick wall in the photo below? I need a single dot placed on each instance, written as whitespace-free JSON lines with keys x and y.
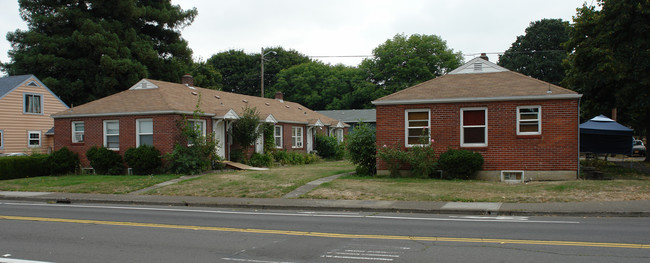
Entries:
{"x":556,"y":149}
{"x":165,"y":133}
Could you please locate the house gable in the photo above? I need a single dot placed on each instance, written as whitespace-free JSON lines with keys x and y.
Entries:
{"x":478,"y":66}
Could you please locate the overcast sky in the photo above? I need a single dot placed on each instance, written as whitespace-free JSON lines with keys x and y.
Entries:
{"x":347,"y":27}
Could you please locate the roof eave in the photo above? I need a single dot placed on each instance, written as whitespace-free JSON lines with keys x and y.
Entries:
{"x":485,"y":99}
{"x":107,"y":114}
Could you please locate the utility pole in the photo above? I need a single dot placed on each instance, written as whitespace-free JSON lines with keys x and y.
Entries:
{"x":262,"y":73}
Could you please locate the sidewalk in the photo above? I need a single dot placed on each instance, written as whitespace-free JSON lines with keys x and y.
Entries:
{"x":623,"y":208}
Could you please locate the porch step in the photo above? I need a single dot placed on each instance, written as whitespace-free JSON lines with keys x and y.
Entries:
{"x":242,"y":166}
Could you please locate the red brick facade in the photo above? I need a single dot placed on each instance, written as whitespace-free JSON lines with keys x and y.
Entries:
{"x":555,"y":149}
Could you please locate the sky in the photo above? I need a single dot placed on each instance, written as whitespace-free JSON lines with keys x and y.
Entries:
{"x":332,"y":30}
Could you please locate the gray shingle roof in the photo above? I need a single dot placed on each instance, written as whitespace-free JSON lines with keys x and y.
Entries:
{"x":366,"y":115}
{"x":7,"y":84}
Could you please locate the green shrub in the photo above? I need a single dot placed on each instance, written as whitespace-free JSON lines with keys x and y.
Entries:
{"x":186,"y":160}
{"x":362,"y":149}
{"x":13,"y":167}
{"x":328,"y":147}
{"x":63,"y":161}
{"x":393,"y":156}
{"x":261,"y":160}
{"x":422,"y":159}
{"x":281,"y":156}
{"x":237,"y":155}
{"x":143,"y":160}
{"x":460,"y":164}
{"x":105,"y":161}
{"x":310,"y":158}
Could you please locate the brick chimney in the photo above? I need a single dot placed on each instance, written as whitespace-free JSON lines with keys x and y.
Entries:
{"x":279,"y":95}
{"x":484,"y":56}
{"x":188,"y":80}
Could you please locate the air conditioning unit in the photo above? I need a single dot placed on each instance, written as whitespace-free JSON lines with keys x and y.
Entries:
{"x":79,"y":137}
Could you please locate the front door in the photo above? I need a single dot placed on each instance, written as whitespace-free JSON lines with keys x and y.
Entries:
{"x":310,"y":139}
{"x":220,"y":135}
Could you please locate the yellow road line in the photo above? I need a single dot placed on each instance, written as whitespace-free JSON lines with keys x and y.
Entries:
{"x":335,"y":235}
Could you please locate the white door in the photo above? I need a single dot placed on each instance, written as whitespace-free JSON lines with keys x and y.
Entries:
{"x":220,"y":135}
{"x":259,"y":143}
{"x":310,"y":139}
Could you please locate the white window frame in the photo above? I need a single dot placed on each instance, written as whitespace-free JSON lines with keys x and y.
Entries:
{"x":29,"y":139}
{"x":339,"y":134}
{"x":203,"y":127}
{"x":503,"y":176}
{"x":278,"y":137}
{"x":407,"y":126}
{"x":539,"y":120}
{"x":2,"y":139}
{"x":106,"y":122}
{"x":75,"y":132}
{"x":138,"y":133}
{"x":462,"y":128}
{"x":297,"y":137}
{"x":25,"y":109}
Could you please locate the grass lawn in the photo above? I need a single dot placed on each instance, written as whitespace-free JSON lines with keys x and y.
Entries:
{"x":273,"y":183}
{"x":94,"y":184}
{"x":627,"y":184}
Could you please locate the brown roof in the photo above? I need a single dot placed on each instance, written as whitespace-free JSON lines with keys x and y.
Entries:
{"x":506,"y":85}
{"x":166,"y":98}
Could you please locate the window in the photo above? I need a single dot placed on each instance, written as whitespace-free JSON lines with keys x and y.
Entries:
{"x":199,"y":126}
{"x":339,"y":135}
{"x":144,"y":132}
{"x":277,"y":136}
{"x":112,"y":135}
{"x":33,"y":103}
{"x":512,"y":176}
{"x":473,"y":132}
{"x":417,"y":127}
{"x":529,"y":120}
{"x":296,"y":137}
{"x":77,"y":131}
{"x":2,"y":139}
{"x":34,"y":139}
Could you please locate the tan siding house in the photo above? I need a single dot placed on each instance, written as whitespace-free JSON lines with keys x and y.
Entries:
{"x":26,"y":106}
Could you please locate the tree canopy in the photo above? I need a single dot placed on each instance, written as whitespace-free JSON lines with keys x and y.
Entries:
{"x":84,"y":50}
{"x":609,"y":60}
{"x":539,"y":53}
{"x":403,"y":61}
{"x":320,"y":86}
{"x":240,"y":72}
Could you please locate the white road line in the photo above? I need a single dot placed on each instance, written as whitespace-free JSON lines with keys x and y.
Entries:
{"x":335,"y":215}
{"x":11,"y":260}
{"x":254,"y":261}
{"x":357,"y":258}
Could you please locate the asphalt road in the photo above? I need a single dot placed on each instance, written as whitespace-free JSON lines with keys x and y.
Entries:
{"x":37,"y":232}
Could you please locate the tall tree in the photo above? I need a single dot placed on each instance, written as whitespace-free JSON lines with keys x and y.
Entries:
{"x":84,"y":50}
{"x":402,"y":62}
{"x":241,"y":71}
{"x":539,"y":53}
{"x":609,"y":60}
{"x":320,"y":86}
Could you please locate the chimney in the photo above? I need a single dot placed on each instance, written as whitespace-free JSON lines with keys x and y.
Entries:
{"x":188,"y":80}
{"x":484,"y":56}
{"x":279,"y":95}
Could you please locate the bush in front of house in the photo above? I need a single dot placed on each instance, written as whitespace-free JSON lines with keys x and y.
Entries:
{"x":105,"y":161}
{"x":422,"y":159}
{"x":261,"y":160}
{"x":393,"y":156}
{"x":328,"y":147}
{"x":294,"y":158}
{"x":13,"y":167}
{"x":362,"y":149}
{"x":460,"y":164}
{"x":63,"y":161}
{"x":186,"y":160}
{"x":144,"y":159}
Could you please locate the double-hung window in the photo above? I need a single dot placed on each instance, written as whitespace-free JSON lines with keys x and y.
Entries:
{"x":529,"y":120}
{"x":78,"y":131}
{"x":144,"y":128}
{"x":296,"y":137}
{"x":199,"y":127}
{"x":33,"y":103}
{"x":277,"y":136}
{"x":34,"y":139}
{"x":112,"y":134}
{"x":417,"y":127}
{"x":473,"y":130}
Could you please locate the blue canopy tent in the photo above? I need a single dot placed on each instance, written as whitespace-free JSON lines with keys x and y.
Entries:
{"x":604,"y":135}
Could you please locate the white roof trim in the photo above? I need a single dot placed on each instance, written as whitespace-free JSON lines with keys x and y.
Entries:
{"x":487,"y":99}
{"x":126,"y":114}
{"x":231,"y":115}
{"x":468,"y":68}
{"x":143,"y":84}
{"x":318,"y":123}
{"x":340,"y":125}
{"x":271,"y":119}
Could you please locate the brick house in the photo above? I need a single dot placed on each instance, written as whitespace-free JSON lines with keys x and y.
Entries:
{"x":523,"y":127}
{"x":25,"y":108}
{"x":149,"y":113}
